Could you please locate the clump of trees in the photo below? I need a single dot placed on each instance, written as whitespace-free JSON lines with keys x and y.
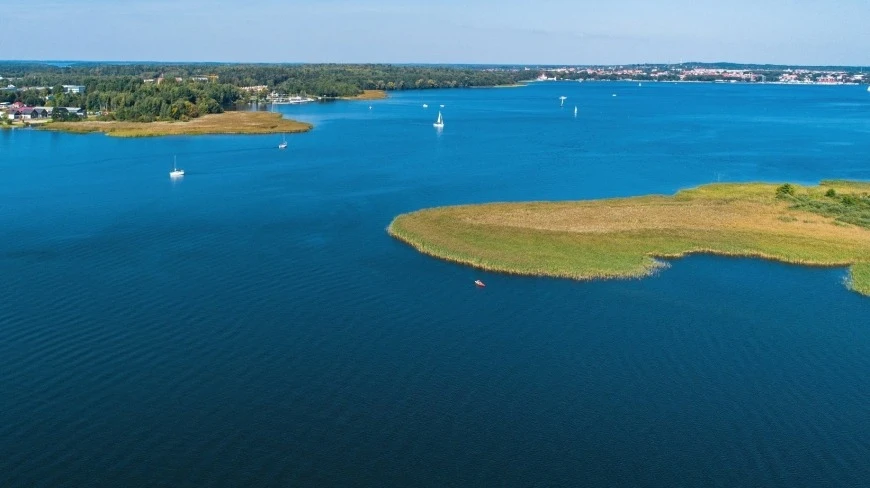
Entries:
{"x":785,"y":190}
{"x":168,"y":100}
{"x":848,"y":208}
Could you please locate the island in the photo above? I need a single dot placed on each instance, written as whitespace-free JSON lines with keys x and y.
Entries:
{"x":823,"y":225}
{"x":222,"y":123}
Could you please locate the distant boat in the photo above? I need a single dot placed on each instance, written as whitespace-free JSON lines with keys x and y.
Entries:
{"x":175,"y":173}
{"x":613,"y":95}
{"x":638,"y":84}
{"x":575,"y":110}
{"x":562,"y":101}
{"x":442,"y":105}
{"x":868,"y":88}
{"x":439,"y":123}
{"x":283,"y":144}
{"x":425,"y":105}
{"x":479,"y":283}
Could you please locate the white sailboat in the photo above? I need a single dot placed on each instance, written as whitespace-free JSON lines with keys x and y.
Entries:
{"x":425,"y":105}
{"x":868,"y":88}
{"x":283,"y":144}
{"x":575,"y":110}
{"x":562,"y":101}
{"x":439,"y":123}
{"x":175,"y":173}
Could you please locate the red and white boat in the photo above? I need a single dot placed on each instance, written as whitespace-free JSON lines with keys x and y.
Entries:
{"x":479,"y":283}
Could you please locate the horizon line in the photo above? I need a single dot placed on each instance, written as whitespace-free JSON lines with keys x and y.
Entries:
{"x":412,"y":63}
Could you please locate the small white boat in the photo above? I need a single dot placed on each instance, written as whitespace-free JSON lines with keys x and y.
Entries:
{"x":442,"y":105}
{"x":479,"y":283}
{"x":175,"y":173}
{"x":868,"y":88}
{"x":283,"y":144}
{"x":439,"y":123}
{"x":575,"y":110}
{"x":562,"y":101}
{"x":638,"y":84}
{"x":425,"y":105}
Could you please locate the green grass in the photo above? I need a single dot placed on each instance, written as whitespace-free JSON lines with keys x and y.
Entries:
{"x":621,"y":238}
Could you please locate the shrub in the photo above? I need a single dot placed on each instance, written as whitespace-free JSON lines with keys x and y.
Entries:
{"x":831,"y":193}
{"x":849,"y":200}
{"x":785,"y":190}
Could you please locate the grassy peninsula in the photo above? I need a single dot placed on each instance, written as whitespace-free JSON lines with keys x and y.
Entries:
{"x":223,"y":123}
{"x":368,"y":95}
{"x":824,"y":225}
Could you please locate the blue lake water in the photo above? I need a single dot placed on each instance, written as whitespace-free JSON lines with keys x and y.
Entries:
{"x":253,"y":325}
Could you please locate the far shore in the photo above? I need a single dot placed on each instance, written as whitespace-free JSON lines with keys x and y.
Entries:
{"x":223,"y":123}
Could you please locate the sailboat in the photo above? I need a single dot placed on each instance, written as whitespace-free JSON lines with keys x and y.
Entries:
{"x":283,"y":144}
{"x":440,"y":122}
{"x":562,"y":101}
{"x":868,"y":88}
{"x":575,"y":110}
{"x":175,"y":173}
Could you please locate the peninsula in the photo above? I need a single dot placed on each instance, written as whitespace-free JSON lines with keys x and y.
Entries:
{"x":824,"y":225}
{"x":222,"y":123}
{"x":368,"y":95}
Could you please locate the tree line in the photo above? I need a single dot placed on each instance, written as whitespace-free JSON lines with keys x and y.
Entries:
{"x":121,"y":92}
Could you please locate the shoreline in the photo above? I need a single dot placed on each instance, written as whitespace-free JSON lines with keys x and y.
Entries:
{"x":628,"y":237}
{"x":367,"y":95}
{"x":514,"y":85}
{"x":235,"y":122}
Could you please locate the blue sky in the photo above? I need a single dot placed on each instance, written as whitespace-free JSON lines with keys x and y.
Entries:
{"x":440,"y":31}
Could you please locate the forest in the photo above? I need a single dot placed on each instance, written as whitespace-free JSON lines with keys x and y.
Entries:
{"x":147,"y":92}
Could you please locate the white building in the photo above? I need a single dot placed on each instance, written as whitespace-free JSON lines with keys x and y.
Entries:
{"x":73,"y":88}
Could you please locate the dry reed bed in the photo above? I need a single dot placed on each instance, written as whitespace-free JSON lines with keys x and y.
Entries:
{"x":224,"y":123}
{"x":620,"y":238}
{"x":368,"y":95}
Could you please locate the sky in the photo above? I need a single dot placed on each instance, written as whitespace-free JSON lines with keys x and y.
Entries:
{"x":797,"y":32}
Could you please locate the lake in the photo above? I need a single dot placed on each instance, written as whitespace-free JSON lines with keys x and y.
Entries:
{"x":252,"y":324}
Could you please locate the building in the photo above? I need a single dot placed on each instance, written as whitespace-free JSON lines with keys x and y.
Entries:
{"x":28,"y":113}
{"x":67,"y":111}
{"x":73,"y":88}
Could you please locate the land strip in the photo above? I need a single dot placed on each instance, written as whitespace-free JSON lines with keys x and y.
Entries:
{"x":223,"y":123}
{"x":368,"y":95}
{"x":622,"y":238}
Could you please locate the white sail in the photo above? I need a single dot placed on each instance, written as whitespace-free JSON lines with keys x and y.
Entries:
{"x":440,"y":121}
{"x":175,"y":173}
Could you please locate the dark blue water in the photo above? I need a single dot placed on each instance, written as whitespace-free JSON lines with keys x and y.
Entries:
{"x":253,"y":324}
